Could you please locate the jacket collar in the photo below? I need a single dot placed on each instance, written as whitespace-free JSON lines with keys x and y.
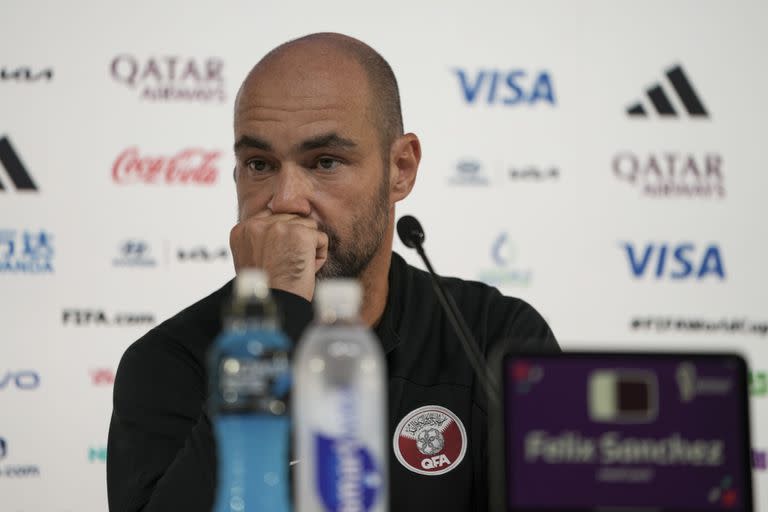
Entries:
{"x":389,"y":326}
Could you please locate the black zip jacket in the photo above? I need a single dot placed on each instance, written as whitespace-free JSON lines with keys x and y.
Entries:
{"x":161,"y":452}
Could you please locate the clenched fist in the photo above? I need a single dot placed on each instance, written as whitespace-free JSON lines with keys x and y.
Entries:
{"x":289,"y":248}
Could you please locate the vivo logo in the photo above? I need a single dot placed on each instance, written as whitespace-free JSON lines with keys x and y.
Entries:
{"x":20,"y":379}
{"x":510,"y":88}
{"x":675,"y":261}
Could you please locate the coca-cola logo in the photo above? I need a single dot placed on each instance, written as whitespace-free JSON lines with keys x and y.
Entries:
{"x":171,"y":78}
{"x":102,"y":376}
{"x":193,"y":166}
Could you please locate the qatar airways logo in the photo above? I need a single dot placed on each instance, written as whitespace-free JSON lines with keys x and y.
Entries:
{"x":171,"y":77}
{"x":672,"y":174}
{"x":192,"y":166}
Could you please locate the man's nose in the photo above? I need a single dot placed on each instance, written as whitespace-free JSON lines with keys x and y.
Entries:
{"x":291,"y":192}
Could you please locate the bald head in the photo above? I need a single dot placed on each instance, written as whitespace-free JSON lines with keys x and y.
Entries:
{"x":330,"y":56}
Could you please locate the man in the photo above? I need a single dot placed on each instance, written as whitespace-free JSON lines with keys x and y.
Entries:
{"x":321,"y":161}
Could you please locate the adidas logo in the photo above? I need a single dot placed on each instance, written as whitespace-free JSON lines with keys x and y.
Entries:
{"x":660,"y":101}
{"x":13,"y":166}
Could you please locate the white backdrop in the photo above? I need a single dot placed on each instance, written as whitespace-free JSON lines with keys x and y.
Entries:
{"x":522,"y":112}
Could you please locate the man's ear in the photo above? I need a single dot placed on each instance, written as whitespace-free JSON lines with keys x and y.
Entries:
{"x":404,"y":158}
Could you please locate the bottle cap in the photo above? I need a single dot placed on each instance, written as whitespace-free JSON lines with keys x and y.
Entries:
{"x":251,"y":282}
{"x":339,"y":298}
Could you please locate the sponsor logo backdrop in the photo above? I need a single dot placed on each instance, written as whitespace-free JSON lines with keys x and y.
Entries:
{"x":601,"y":161}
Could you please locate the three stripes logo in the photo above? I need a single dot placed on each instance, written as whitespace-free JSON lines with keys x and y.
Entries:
{"x":14,"y":167}
{"x":660,"y":100}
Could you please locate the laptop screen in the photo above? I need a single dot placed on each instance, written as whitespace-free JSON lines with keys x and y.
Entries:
{"x":626,"y":432}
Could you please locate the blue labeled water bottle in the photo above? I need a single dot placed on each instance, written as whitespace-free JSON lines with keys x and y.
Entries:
{"x":339,"y":405}
{"x":250,"y":381}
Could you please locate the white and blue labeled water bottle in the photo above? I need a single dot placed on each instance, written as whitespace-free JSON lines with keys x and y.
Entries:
{"x":250,"y":381}
{"x":339,"y":408}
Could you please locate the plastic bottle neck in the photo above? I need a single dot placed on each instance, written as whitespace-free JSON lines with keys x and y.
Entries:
{"x":335,"y":317}
{"x":251,"y":313}
{"x":238,"y":323}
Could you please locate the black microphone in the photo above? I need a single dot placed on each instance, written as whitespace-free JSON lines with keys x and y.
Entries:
{"x":410,"y":232}
{"x":412,"y":235}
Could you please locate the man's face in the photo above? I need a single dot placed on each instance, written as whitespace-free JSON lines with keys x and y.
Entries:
{"x":306,"y":144}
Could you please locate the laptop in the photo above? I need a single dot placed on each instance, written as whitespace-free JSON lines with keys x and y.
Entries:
{"x":604,"y":431}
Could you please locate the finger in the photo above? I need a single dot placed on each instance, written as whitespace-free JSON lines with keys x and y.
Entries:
{"x":268,"y":218}
{"x":321,"y":250}
{"x":234,"y":235}
{"x":261,"y":215}
{"x":293,"y":220}
{"x":305,"y":221}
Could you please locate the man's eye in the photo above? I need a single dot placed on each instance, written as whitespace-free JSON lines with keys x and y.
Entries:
{"x":327,"y":163}
{"x":258,"y":165}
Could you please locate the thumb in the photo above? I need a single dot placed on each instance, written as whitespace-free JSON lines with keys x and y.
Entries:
{"x":321,"y":250}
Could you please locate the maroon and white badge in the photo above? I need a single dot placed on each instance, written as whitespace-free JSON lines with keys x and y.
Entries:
{"x":430,"y":440}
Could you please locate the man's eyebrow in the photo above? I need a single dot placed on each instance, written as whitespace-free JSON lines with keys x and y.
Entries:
{"x":327,"y":140}
{"x":252,"y":142}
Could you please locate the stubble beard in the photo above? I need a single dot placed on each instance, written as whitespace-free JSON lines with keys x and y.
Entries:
{"x":350,"y":257}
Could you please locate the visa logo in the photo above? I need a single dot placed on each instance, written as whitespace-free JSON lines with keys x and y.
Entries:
{"x":675,"y":261}
{"x":513,"y":87}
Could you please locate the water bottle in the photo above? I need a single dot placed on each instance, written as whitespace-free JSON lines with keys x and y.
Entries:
{"x":339,"y":408}
{"x":250,"y":378}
